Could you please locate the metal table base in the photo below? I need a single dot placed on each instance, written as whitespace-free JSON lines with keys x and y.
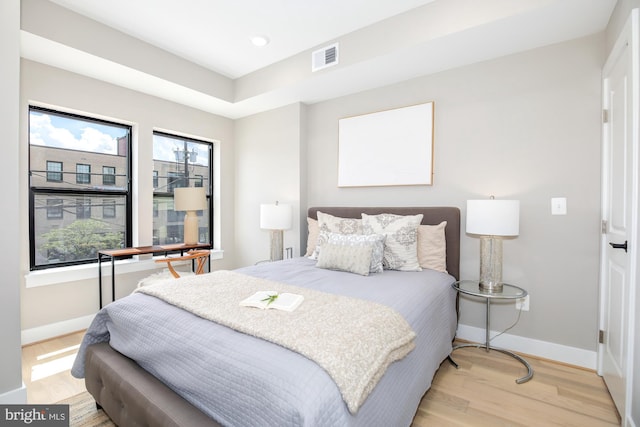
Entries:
{"x":501,"y":350}
{"x":488,"y":347}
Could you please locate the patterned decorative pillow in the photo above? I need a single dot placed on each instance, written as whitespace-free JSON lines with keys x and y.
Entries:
{"x":312,"y":237}
{"x":376,"y":241}
{"x":349,"y":258}
{"x":340,"y":225}
{"x":334,"y":224}
{"x":401,"y":244}
{"x":432,"y":247}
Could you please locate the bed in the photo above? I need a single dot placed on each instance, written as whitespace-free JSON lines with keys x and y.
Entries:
{"x":148,"y":362}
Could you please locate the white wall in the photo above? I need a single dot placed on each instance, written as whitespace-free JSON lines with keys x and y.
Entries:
{"x":45,"y":85}
{"x":11,"y":388}
{"x":268,"y":168}
{"x":525,"y":126}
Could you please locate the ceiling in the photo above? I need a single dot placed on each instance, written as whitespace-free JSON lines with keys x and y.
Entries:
{"x":216,"y":33}
{"x":416,"y":37}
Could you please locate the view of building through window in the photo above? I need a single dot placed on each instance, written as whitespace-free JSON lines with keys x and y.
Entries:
{"x":80,"y":190}
{"x":80,"y":186}
{"x":178,"y":162}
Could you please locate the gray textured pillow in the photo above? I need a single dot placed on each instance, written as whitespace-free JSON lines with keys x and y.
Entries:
{"x":376,"y":241}
{"x":401,"y":244}
{"x":352,"y":259}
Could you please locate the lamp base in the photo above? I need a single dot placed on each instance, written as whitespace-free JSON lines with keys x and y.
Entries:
{"x":491,"y":264}
{"x":276,"y":245}
{"x":191,"y":228}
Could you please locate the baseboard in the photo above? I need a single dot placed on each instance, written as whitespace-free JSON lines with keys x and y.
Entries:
{"x":543,"y":349}
{"x":52,"y":330}
{"x":14,"y":397}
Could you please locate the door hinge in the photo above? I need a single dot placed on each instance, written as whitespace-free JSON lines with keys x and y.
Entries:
{"x":603,"y":226}
{"x":605,"y":116}
{"x":600,"y":336}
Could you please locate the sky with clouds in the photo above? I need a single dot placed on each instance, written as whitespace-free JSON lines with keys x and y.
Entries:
{"x":61,"y":132}
{"x":51,"y":130}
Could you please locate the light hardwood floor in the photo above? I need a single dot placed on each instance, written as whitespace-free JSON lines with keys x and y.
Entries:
{"x":482,"y":392}
{"x":45,"y":369}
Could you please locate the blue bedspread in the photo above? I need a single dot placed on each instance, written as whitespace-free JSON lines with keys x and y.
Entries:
{"x":240,"y":380}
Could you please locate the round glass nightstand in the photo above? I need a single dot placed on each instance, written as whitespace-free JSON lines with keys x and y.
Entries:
{"x":512,"y":292}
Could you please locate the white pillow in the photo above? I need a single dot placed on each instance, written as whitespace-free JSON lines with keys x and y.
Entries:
{"x":334,"y":224}
{"x":401,"y":243}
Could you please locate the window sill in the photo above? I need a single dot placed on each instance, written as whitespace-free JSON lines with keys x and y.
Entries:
{"x":59,"y":275}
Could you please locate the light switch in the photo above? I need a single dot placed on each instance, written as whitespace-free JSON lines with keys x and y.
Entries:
{"x":559,"y":206}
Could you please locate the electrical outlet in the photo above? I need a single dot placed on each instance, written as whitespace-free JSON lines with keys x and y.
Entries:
{"x":559,"y":206}
{"x":522,"y":303}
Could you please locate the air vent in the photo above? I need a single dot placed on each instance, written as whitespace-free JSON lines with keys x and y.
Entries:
{"x":325,"y":57}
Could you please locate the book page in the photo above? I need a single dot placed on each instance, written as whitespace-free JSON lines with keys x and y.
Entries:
{"x":284,"y":301}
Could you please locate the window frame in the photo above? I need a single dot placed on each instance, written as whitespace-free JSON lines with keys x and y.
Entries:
{"x":55,"y":210}
{"x":51,"y":173}
{"x":83,"y":208}
{"x":126,"y":192}
{"x":178,"y":181}
{"x":84,"y":175}
{"x":109,"y":208}
{"x":110,"y":175}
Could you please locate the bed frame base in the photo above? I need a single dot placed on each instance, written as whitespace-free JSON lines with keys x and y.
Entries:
{"x":132,"y":397}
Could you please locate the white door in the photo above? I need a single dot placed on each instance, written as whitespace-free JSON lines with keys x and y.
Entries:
{"x":617,"y":269}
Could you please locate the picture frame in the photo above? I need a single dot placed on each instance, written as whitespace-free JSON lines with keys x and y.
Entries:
{"x":387,"y":148}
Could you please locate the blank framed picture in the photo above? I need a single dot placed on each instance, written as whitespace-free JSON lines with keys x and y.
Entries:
{"x":392,"y":147}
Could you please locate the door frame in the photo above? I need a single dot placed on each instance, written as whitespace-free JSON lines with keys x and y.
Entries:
{"x":628,"y":40}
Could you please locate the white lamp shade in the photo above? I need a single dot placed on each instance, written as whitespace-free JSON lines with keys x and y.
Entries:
{"x":492,"y":217}
{"x":189,"y":199}
{"x":275,"y":216}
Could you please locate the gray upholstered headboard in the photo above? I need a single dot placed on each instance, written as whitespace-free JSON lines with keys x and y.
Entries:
{"x":432,"y":215}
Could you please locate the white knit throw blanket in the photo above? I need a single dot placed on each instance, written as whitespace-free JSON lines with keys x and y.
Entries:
{"x":352,"y":339}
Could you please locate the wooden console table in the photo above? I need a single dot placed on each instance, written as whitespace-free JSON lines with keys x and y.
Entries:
{"x":113,"y":254}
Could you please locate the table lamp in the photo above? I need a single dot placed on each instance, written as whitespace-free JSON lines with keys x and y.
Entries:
{"x":492,"y":220}
{"x":190,"y":199}
{"x":276,"y":217}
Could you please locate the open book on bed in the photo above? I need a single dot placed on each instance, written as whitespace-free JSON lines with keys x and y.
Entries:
{"x":272,"y":299}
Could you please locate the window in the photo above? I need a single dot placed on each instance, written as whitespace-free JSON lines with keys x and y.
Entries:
{"x":66,"y":224}
{"x":83,"y":208}
{"x":179,"y":162}
{"x":83,"y":173}
{"x":109,"y":208}
{"x":54,"y":209}
{"x":175,"y":180}
{"x":108,"y":175}
{"x":54,"y":171}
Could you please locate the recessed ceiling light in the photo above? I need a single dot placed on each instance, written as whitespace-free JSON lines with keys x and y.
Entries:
{"x":260,"y":41}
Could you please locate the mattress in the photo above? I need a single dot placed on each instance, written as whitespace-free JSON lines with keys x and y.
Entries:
{"x":241,"y":380}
